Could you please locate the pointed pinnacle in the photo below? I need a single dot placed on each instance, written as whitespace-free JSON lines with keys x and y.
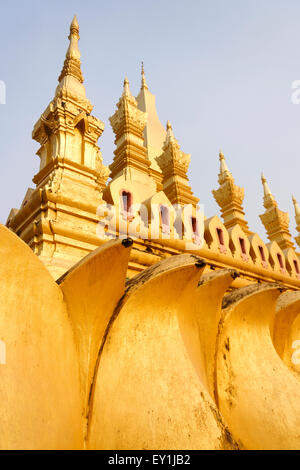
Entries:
{"x":126,"y":89}
{"x":72,"y":61}
{"x":168,"y":125}
{"x":296,"y":206}
{"x":170,"y":134}
{"x":144,"y":83}
{"x":74,"y":23}
{"x":224,"y":170}
{"x":74,"y":32}
{"x":267,"y":190}
{"x":269,"y":199}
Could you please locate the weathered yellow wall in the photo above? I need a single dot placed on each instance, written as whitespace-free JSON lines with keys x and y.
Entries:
{"x":148,"y":393}
{"x":167,"y":361}
{"x":39,"y":388}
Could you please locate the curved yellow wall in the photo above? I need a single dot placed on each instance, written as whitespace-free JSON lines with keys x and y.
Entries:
{"x":39,"y":388}
{"x":170,"y":360}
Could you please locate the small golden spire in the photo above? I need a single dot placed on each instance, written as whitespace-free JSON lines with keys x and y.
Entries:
{"x":144,"y":84}
{"x":267,"y":191}
{"x":126,"y":89}
{"x":224,"y":171}
{"x":296,"y":206}
{"x":170,"y":134}
{"x":269,"y":199}
{"x":72,"y":62}
{"x":297,"y":219}
{"x":174,"y":164}
{"x":276,"y":222}
{"x":73,"y":50}
{"x":229,"y":198}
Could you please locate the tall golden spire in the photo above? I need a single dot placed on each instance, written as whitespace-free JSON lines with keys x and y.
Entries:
{"x":71,"y":169}
{"x":230,"y":198}
{"x":297,"y":218}
{"x":72,"y":61}
{"x":144,"y":83}
{"x":275,"y":221}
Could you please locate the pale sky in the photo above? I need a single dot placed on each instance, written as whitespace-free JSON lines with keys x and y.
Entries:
{"x":221,"y":71}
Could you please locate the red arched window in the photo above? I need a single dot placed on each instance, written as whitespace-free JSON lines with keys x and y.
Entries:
{"x":165,"y":219}
{"x":262,"y":255}
{"x":221,"y":240}
{"x":126,"y":204}
{"x":296,"y":266}
{"x":195,"y":229}
{"x":243,"y":249}
{"x":243,"y":246}
{"x":280,"y":261}
{"x":220,"y":236}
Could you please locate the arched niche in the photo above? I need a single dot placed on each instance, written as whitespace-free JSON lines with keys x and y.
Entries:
{"x":292,"y":263}
{"x":239,"y":244}
{"x":277,"y":258}
{"x":259,"y":251}
{"x":161,"y":216}
{"x":216,"y":235}
{"x":78,"y":143}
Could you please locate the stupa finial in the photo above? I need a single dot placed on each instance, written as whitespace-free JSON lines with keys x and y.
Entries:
{"x":144,"y":83}
{"x":296,"y":206}
{"x":72,"y":62}
{"x":170,"y":134}
{"x":269,"y":199}
{"x":126,"y":89}
{"x":224,"y":171}
{"x":297,"y":219}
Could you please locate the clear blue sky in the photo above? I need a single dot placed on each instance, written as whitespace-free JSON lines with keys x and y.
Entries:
{"x":221,"y":72}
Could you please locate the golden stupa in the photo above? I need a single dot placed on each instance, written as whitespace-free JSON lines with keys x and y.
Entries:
{"x":128,"y":319}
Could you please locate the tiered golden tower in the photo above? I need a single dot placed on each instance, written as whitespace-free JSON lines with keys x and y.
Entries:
{"x":74,"y":207}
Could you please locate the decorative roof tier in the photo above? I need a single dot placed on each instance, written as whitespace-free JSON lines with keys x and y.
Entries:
{"x":174,"y":165}
{"x":72,"y":209}
{"x":275,"y":221}
{"x":128,"y":123}
{"x":230,"y":198}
